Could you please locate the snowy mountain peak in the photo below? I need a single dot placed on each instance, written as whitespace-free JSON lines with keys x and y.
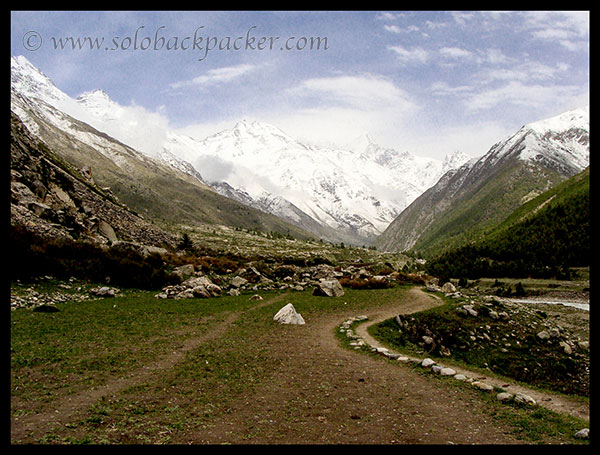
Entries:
{"x":454,"y":160}
{"x":256,"y":128}
{"x":94,"y":95}
{"x":100,"y":105}
{"x":577,"y":118}
{"x":26,"y":79}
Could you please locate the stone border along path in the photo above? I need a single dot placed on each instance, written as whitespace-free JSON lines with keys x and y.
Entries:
{"x":510,"y":392}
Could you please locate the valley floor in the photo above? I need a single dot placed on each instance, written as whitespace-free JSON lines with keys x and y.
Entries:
{"x":237,"y":377}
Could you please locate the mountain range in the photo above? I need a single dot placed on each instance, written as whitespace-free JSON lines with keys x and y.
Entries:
{"x":256,"y":176}
{"x":346,"y":194}
{"x":468,"y":201}
{"x":167,"y":192}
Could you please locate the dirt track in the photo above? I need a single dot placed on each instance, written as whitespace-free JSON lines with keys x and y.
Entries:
{"x":321,"y":393}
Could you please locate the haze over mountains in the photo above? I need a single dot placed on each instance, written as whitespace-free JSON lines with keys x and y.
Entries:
{"x":360,"y":193}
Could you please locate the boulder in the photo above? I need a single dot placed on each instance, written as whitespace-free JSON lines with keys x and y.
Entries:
{"x":104,"y":291}
{"x":482,"y":386}
{"x":288,"y":315}
{"x":525,"y":399}
{"x":198,"y":287}
{"x":504,"y":397}
{"x":184,"y":271}
{"x":448,"y":288}
{"x":329,"y":288}
{"x":238,"y":281}
{"x":447,"y":371}
{"x":251,"y":274}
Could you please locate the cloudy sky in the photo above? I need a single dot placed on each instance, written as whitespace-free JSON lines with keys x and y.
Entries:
{"x":430,"y":82}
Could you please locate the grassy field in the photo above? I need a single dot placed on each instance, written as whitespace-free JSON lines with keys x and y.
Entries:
{"x":138,"y":370}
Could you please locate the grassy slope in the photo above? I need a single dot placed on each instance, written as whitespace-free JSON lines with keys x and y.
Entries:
{"x":481,"y":208}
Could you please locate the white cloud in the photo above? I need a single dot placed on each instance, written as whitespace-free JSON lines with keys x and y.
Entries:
{"x":570,"y":29}
{"x":408,"y":56}
{"x":517,"y":93}
{"x":392,"y":28}
{"x":217,"y":75}
{"x":360,"y":92}
{"x":455,"y":53}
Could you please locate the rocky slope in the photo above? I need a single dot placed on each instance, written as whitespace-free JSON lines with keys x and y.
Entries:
{"x":54,"y":199}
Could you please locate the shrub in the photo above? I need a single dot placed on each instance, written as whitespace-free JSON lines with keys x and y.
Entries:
{"x":34,"y":256}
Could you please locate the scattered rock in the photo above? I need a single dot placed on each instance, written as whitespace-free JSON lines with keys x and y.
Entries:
{"x":104,"y":291}
{"x":584,"y":433}
{"x":238,"y":281}
{"x":328,"y":288}
{"x":426,"y":363}
{"x":184,"y":271}
{"x":288,"y":315}
{"x":504,"y":397}
{"x":470,"y":309}
{"x":198,"y":287}
{"x":447,"y":372}
{"x":482,"y":386}
{"x":525,"y":399}
{"x":448,"y":288}
{"x":543,"y":335}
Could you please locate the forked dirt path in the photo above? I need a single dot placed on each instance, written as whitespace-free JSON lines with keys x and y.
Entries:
{"x":318,"y":393}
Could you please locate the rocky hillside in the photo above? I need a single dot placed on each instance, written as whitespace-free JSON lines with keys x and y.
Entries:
{"x":152,"y":188}
{"x":53,"y":198}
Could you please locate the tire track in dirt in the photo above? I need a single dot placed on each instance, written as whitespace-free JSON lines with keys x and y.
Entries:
{"x":71,"y":408}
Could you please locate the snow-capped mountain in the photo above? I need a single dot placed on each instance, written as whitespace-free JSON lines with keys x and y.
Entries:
{"x":486,"y":190}
{"x":356,"y":190}
{"x":151,"y":186}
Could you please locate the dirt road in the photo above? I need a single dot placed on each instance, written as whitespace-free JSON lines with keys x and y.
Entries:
{"x":319,"y":393}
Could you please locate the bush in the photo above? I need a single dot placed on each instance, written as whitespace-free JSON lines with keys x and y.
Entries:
{"x":33,"y":256}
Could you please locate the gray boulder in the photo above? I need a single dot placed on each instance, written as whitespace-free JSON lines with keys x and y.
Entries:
{"x":329,"y":288}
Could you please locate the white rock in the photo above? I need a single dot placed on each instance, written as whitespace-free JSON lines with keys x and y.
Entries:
{"x":436,"y":368}
{"x":448,"y":287}
{"x":447,"y":372}
{"x":288,"y":315}
{"x":426,"y":363}
{"x":504,"y":396}
{"x":522,"y":398}
{"x":482,"y":386}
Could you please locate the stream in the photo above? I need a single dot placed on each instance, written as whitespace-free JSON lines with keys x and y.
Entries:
{"x":580,"y":305}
